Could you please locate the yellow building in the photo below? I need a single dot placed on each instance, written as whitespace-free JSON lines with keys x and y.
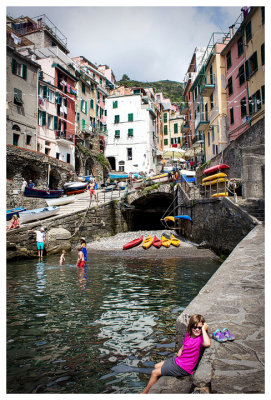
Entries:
{"x":175,"y":126}
{"x":254,"y":24}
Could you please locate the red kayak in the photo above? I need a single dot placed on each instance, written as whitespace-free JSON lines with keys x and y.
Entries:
{"x":216,"y":168}
{"x":157,"y":242}
{"x":133,"y":243}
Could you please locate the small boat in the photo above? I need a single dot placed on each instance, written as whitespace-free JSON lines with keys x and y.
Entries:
{"x":210,"y":183}
{"x":69,"y":192}
{"x":147,"y":242}
{"x":220,"y":194}
{"x":170,"y":218}
{"x":157,"y":242}
{"x":38,"y":213}
{"x":165,"y":241}
{"x":215,"y":176}
{"x":174,"y":241}
{"x":216,"y":168}
{"x":75,"y":185}
{"x":60,"y":201}
{"x":43,"y":194}
{"x":187,"y":175}
{"x":14,"y":211}
{"x":133,"y":243}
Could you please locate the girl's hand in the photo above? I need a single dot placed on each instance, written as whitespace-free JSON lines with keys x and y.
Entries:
{"x":205,"y":327}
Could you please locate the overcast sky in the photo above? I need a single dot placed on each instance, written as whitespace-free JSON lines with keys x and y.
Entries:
{"x":147,"y":43}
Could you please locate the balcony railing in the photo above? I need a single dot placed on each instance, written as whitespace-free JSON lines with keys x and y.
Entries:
{"x":207,"y":85}
{"x":64,"y":136}
{"x":185,"y":128}
{"x":201,"y":122}
{"x":197,"y":137}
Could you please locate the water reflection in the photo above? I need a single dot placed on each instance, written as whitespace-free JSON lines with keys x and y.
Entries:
{"x":97,"y":329}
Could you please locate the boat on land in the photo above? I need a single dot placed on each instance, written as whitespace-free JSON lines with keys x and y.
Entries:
{"x":165,"y":241}
{"x":43,"y":194}
{"x":147,"y":242}
{"x":75,"y":185}
{"x":122,"y":176}
{"x":216,"y":168}
{"x":60,"y":201}
{"x":187,"y":175}
{"x":210,"y":183}
{"x":137,"y":184}
{"x":223,"y":194}
{"x":14,"y":211}
{"x":38,"y":213}
{"x":174,"y":241}
{"x":215,"y":176}
{"x":133,"y":243}
{"x":157,"y":242}
{"x":171,"y":218}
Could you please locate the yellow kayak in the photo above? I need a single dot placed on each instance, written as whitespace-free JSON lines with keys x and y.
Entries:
{"x":147,"y":242}
{"x":215,"y":176}
{"x":214,"y":182}
{"x":220,"y":194}
{"x":174,"y":241}
{"x":165,"y":242}
{"x":169,"y":219}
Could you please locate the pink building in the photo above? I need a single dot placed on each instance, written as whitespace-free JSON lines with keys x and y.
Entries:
{"x":236,"y":84}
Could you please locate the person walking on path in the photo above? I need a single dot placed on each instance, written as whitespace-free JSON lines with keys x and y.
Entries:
{"x":91,"y":188}
{"x":40,"y":236}
{"x":195,"y":340}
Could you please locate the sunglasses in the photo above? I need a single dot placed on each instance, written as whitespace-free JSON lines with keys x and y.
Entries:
{"x":197,"y":327}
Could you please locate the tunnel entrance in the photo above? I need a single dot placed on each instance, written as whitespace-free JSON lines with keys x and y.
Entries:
{"x":149,"y":210}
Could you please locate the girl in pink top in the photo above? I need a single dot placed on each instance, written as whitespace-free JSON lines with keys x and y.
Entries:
{"x":195,"y":340}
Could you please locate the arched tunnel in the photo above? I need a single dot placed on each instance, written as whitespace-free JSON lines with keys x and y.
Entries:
{"x":148,"y":210}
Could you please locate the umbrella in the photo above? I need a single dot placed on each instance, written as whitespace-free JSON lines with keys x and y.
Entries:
{"x":173,"y":152}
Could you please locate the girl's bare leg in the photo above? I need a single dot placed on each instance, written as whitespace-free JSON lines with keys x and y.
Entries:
{"x":156,"y":373}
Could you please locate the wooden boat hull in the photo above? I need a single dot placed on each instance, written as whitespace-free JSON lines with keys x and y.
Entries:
{"x":174,"y":241}
{"x":14,"y":211}
{"x":215,"y":176}
{"x":147,"y":242}
{"x":43,"y":194}
{"x":133,"y":243}
{"x":215,"y":168}
{"x":157,"y":242}
{"x":61,"y":201}
{"x":38,"y":213}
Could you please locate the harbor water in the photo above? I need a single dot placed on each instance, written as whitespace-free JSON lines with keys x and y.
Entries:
{"x":97,"y":329}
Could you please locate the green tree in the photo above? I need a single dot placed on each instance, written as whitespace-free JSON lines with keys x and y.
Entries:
{"x":125,"y":77}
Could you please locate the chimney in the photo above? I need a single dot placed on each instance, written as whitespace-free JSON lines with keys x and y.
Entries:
{"x":231,"y":28}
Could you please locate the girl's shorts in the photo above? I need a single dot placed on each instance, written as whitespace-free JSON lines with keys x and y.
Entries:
{"x":81,"y":264}
{"x":170,"y":368}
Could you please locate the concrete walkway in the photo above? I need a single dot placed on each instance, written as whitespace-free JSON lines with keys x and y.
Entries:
{"x":233,"y":298}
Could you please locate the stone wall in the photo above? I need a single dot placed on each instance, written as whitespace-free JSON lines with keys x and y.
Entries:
{"x":253,"y":171}
{"x":65,"y":232}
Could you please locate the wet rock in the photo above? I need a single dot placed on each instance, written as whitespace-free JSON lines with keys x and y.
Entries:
{"x":171,"y":385}
{"x":57,"y":239}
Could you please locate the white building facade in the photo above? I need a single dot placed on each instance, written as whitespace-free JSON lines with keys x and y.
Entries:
{"x":131,"y":124}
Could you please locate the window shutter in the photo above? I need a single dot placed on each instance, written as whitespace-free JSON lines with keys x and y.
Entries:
{"x":43,"y":120}
{"x":82,"y":102}
{"x":175,"y":128}
{"x":130,"y":132}
{"x":130,"y":117}
{"x":24,"y":74}
{"x":91,"y":103}
{"x":14,"y":66}
{"x":86,"y":107}
{"x":56,"y":97}
{"x":83,"y":124}
{"x":247,"y":70}
{"x":179,"y":140}
{"x":250,"y":105}
{"x":171,"y":140}
{"x":45,"y":92}
{"x":255,"y":61}
{"x":55,"y":123}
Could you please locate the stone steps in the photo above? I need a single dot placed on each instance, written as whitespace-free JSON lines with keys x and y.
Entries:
{"x":254,"y":207}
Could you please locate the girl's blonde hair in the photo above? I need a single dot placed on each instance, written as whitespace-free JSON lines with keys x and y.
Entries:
{"x":194,"y":320}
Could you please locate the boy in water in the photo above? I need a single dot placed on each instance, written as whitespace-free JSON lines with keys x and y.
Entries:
{"x":81,"y":259}
{"x":84,"y":248}
{"x":62,"y":257}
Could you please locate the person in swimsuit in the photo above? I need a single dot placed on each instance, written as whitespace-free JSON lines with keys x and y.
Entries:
{"x":81,"y":259}
{"x":91,"y":187}
{"x":14,"y":223}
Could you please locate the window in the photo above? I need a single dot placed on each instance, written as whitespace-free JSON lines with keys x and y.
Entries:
{"x":57,"y":98}
{"x":78,"y":117}
{"x":232,"y":115}
{"x":251,"y":65}
{"x":16,"y":128}
{"x":211,"y":75}
{"x":209,"y":139}
{"x":263,"y":94}
{"x":215,"y":149}
{"x":50,"y":121}
{"x":165,"y":129}
{"x":248,"y":32}
{"x":262,"y":54}
{"x":117,"y":119}
{"x":130,"y":132}
{"x":68,"y":158}
{"x":55,"y":123}
{"x":115,"y":104}
{"x":43,"y":118}
{"x":228,"y":60}
{"x":83,"y":88}
{"x":57,"y":156}
{"x":263,"y":16}
{"x":212,"y":101}
{"x":83,"y":124}
{"x":230,"y":90}
{"x":19,"y":69}
{"x":255,"y":102}
{"x":129,"y":153}
{"x":101,"y":81}
{"x":117,"y":134}
{"x":121,"y":168}
{"x":175,"y":128}
{"x":83,"y":106}
{"x":165,"y":142}
{"x":165,"y":117}
{"x":213,"y":133}
{"x":91,"y":103}
{"x":15,"y":139}
{"x":241,"y":75}
{"x":47,"y":151}
{"x":45,"y":92}
{"x":17,"y":99}
{"x":240,"y":44}
{"x":130,"y":117}
{"x":243,"y":104}
{"x":51,"y":96}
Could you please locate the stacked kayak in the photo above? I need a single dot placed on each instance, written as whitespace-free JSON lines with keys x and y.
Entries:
{"x":215,"y":180}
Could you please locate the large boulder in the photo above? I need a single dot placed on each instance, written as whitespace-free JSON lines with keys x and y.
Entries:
{"x":57,"y":239}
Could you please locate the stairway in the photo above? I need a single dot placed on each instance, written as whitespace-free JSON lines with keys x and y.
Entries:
{"x":254,"y":207}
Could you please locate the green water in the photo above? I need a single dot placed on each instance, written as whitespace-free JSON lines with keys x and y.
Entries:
{"x":97,"y":329}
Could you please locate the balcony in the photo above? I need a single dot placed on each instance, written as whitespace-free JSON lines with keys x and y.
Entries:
{"x":64,"y":138}
{"x":201,"y":122}
{"x":199,"y":138}
{"x":185,"y":128}
{"x":184,"y":110}
{"x":207,"y":85}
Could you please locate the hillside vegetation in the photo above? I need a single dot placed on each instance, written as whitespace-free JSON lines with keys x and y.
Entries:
{"x":170,"y":89}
